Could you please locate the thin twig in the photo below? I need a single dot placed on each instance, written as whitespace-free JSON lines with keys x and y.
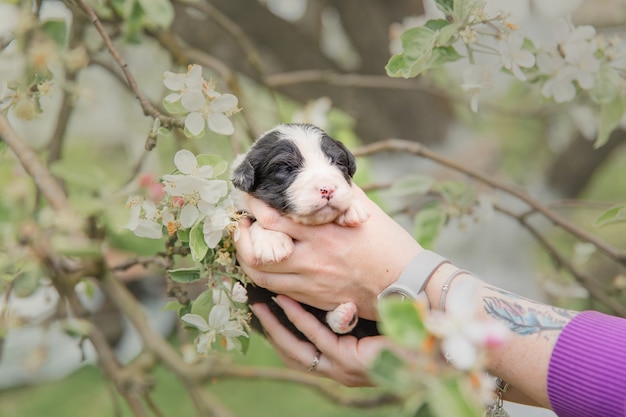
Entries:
{"x":399,"y":145}
{"x":330,"y":389}
{"x":591,"y":284}
{"x":44,"y":181}
{"x":148,"y":108}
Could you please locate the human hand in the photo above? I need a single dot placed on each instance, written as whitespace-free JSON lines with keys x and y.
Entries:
{"x":331,"y":264}
{"x":345,"y":359}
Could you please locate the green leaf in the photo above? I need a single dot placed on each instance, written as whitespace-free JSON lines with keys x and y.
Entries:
{"x":133,"y":24}
{"x":605,"y":85}
{"x":172,"y":306}
{"x":445,"y":6}
{"x":174,"y":107}
{"x":245,"y":344}
{"x":160,"y":12}
{"x":450,"y":398}
{"x":184,"y":275}
{"x":386,"y":371}
{"x":436,"y":24}
{"x":412,"y":184}
{"x":610,"y":116}
{"x":446,"y":34}
{"x":456,"y":192}
{"x":25,"y":284}
{"x":198,"y":246}
{"x":417,"y":45}
{"x":428,"y":223}
{"x":613,"y":215}
{"x":442,"y":55}
{"x":203,"y":304}
{"x":402,"y":322}
{"x":183,"y":235}
{"x":218,"y":163}
{"x":464,"y":9}
{"x":56,"y":30}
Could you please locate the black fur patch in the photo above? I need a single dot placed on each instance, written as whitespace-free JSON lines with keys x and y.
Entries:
{"x":270,"y":167}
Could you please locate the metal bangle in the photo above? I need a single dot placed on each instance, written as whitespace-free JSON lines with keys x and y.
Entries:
{"x":446,"y":288}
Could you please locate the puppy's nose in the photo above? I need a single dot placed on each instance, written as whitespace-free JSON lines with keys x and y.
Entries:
{"x":327,"y":192}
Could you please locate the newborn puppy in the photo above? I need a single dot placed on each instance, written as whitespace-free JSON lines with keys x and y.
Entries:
{"x":306,"y":175}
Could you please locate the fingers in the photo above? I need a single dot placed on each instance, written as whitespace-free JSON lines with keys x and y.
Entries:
{"x":309,"y":325}
{"x":295,"y":353}
{"x":271,"y":219}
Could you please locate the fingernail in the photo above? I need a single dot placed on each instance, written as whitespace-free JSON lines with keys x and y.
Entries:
{"x":275,"y":299}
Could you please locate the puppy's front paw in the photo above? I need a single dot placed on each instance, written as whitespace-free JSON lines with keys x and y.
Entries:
{"x":342,"y":319}
{"x":270,"y":246}
{"x":354,"y":216}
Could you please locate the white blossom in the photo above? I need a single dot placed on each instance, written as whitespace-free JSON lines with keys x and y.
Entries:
{"x":513,"y":56}
{"x":219,"y":323}
{"x":476,"y":78}
{"x":216,"y":220}
{"x":188,"y":88}
{"x":144,"y":216}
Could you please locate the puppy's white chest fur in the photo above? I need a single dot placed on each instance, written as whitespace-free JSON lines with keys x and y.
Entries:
{"x":307,"y":176}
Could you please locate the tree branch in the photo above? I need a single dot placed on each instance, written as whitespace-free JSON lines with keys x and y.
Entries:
{"x":44,"y":181}
{"x":148,"y":108}
{"x":398,"y":145}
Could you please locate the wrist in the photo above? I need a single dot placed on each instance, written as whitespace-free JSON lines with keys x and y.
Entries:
{"x":413,"y":280}
{"x":434,"y":286}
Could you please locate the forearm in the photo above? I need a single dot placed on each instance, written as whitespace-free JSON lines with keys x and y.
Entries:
{"x":533,"y":330}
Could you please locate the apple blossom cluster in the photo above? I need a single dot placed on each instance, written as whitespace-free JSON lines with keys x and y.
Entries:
{"x":192,"y":206}
{"x":202,"y":105}
{"x":576,"y":63}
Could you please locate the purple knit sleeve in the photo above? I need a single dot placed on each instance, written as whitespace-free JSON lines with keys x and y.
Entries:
{"x":587,"y":371}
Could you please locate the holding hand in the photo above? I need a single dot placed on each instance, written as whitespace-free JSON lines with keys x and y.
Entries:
{"x":325,"y":270}
{"x":343,"y":358}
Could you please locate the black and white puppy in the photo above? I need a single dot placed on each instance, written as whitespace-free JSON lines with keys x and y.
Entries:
{"x":306,"y":175}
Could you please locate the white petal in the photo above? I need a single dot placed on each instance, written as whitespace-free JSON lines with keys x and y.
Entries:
{"x":461,"y":353}
{"x":194,"y":77}
{"x":212,"y":238}
{"x":240,"y":294}
{"x":220,"y":124}
{"x":219,"y":316}
{"x":196,"y":321}
{"x":232,"y":330}
{"x":174,"y":81}
{"x":205,"y":171}
{"x":172,"y":98}
{"x":149,"y":208}
{"x":188,"y":216}
{"x":194,"y":123}
{"x":214,"y":190}
{"x":193,"y":100}
{"x":185,"y":161}
{"x":148,"y":229}
{"x":223,"y":103}
{"x":525,"y":59}
{"x":133,"y":221}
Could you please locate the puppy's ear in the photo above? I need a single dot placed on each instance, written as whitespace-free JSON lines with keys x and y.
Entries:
{"x":243,"y":174}
{"x":350,"y":160}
